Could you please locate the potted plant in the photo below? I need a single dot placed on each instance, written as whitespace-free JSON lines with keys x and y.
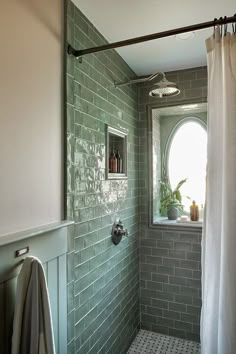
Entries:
{"x":170,"y":202}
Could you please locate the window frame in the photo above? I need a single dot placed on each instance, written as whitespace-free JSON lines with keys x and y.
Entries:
{"x":151,"y":223}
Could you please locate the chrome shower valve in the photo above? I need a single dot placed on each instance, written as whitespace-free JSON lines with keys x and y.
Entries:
{"x":118,"y":232}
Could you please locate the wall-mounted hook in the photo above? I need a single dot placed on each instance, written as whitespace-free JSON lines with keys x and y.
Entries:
{"x":118,"y":232}
{"x":22,"y":252}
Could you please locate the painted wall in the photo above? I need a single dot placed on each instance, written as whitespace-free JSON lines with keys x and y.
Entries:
{"x":170,"y":286}
{"x":103,"y":308}
{"x":31,"y":103}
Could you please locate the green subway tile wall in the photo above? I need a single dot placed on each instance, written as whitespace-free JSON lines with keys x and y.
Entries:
{"x":170,"y":285}
{"x":170,"y":282}
{"x":103,"y":279}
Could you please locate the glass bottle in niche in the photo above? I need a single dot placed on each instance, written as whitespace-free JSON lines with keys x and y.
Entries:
{"x":110,"y":162}
{"x":113,"y":162}
{"x":116,"y":154}
{"x":119,"y":162}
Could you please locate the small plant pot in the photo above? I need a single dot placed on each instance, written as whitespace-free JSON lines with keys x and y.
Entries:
{"x":172,"y":213}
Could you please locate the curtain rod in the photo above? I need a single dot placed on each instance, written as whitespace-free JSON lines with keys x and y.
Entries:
{"x":150,"y":37}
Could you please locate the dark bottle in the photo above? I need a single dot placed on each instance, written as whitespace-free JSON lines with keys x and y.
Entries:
{"x":194,"y":212}
{"x":110,"y":162}
{"x":113,"y":162}
{"x":119,"y":162}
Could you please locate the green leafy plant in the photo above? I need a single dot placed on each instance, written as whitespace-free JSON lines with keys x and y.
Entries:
{"x":169,"y":197}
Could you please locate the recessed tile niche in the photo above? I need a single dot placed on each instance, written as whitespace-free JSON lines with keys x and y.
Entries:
{"x":116,"y":154}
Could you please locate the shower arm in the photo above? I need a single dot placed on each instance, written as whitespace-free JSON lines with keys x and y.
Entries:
{"x":136,"y":81}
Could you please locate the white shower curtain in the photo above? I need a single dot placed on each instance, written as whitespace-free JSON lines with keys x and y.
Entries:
{"x":218,"y":321}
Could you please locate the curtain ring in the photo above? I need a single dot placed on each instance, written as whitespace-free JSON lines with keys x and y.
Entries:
{"x":215,"y":19}
{"x":225,"y":26}
{"x":221,"y":26}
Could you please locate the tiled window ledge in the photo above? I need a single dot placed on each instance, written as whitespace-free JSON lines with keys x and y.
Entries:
{"x":165,"y":223}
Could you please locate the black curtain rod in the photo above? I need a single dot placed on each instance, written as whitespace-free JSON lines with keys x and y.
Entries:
{"x":150,"y":37}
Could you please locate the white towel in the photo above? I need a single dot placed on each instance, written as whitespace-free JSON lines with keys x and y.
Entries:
{"x":32,"y":325}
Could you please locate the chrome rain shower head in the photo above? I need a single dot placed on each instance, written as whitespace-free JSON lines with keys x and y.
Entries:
{"x":164,"y":88}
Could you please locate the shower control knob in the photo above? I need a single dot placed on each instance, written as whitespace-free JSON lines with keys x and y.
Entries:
{"x":118,"y":232}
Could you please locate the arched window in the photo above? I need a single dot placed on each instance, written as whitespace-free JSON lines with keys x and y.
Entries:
{"x":187,"y":158}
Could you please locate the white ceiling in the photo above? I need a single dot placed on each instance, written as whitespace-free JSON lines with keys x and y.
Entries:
{"x":123,"y":19}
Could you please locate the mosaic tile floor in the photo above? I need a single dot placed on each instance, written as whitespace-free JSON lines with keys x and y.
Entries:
{"x":154,"y":343}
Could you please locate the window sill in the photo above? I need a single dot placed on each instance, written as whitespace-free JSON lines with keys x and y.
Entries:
{"x":165,"y":223}
{"x":117,"y":176}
